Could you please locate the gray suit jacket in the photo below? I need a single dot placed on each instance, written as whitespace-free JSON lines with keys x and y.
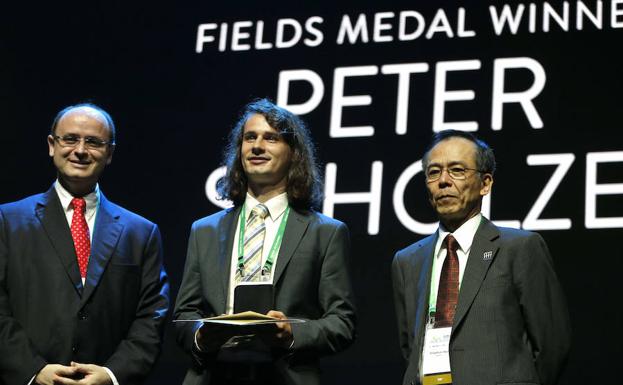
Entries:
{"x":511,"y":323}
{"x":311,"y":281}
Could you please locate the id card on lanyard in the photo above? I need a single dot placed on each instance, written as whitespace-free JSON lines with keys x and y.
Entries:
{"x":436,"y":356}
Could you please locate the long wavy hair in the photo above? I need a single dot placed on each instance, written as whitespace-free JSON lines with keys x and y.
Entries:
{"x":304,"y":186}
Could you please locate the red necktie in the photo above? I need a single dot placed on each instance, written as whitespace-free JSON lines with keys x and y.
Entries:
{"x":80,"y":235}
{"x":448,"y":293}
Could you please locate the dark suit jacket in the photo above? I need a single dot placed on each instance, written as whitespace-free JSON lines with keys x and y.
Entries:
{"x":311,"y":281}
{"x":511,"y":323}
{"x":47,"y":316}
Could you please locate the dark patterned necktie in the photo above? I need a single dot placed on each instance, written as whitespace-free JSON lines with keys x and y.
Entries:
{"x":448,"y":293}
{"x":80,"y":234}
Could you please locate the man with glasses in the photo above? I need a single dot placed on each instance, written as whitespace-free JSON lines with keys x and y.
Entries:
{"x":476,"y":303}
{"x":83,"y":292}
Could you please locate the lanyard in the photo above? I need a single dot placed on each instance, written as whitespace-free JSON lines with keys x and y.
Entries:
{"x":266,"y":269}
{"x":432,"y":298}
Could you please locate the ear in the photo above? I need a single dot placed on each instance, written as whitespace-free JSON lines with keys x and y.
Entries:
{"x":487,"y":184}
{"x":111,"y":150}
{"x":50,"y":145}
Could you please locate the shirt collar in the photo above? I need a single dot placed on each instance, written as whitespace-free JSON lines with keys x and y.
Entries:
{"x":91,"y":199}
{"x":276,"y":205}
{"x":464,"y":235}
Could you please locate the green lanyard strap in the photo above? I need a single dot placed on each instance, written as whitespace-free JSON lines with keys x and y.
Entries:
{"x":268,"y":265}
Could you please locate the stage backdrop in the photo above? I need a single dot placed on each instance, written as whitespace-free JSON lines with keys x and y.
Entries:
{"x":539,"y":81}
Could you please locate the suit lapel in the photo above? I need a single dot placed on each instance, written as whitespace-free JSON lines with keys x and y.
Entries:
{"x":107,"y":230}
{"x":226,"y":232}
{"x":485,"y":241}
{"x":295,"y":228}
{"x":52,"y":218}
{"x":422,"y":271}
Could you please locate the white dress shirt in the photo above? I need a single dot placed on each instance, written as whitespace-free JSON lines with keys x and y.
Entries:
{"x":276,"y":207}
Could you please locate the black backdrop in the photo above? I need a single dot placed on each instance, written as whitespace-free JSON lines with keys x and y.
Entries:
{"x":174,"y":106}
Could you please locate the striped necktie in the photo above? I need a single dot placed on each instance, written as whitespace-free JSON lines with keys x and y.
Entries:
{"x":254,"y":234}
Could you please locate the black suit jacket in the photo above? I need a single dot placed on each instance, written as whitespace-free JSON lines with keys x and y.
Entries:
{"x":511,"y":323}
{"x":47,"y":316}
{"x":311,"y":281}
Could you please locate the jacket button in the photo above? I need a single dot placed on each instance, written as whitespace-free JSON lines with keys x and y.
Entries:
{"x":82,"y":315}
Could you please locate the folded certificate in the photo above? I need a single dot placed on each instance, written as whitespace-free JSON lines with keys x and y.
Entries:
{"x":243,"y":319}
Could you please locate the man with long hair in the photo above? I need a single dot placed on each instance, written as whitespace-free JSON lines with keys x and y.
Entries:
{"x":272,"y":236}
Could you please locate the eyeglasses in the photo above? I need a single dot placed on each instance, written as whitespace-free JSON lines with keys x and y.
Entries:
{"x":456,"y":172}
{"x":90,"y":142}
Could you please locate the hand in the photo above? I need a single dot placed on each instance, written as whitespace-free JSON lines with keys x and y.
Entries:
{"x":91,"y":375}
{"x":282,"y":334}
{"x":52,"y":374}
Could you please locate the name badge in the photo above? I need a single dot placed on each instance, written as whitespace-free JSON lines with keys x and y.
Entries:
{"x":436,"y":356}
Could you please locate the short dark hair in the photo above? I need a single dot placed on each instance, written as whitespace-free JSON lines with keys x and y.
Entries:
{"x":303,"y":184}
{"x":485,"y":159}
{"x":109,"y":121}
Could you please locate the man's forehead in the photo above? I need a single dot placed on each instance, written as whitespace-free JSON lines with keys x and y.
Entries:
{"x":258,"y":123}
{"x":453,"y":149}
{"x":84,"y":113}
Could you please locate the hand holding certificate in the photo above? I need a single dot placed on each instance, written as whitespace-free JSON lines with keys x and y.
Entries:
{"x":282,"y":336}
{"x":274,"y":328}
{"x":246,"y":318}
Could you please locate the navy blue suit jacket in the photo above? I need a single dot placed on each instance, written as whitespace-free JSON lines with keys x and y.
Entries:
{"x":47,"y":316}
